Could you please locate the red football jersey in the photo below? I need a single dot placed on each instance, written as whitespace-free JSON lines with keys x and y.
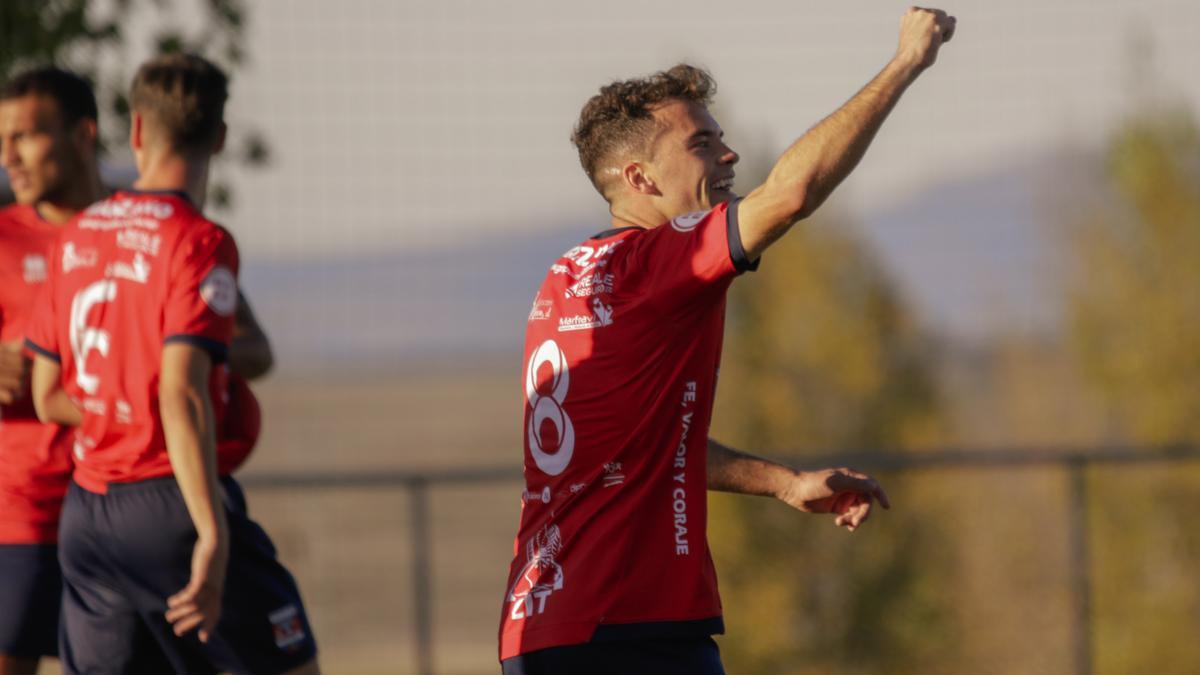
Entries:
{"x":128,"y":275}
{"x":35,"y":466}
{"x":621,"y":355}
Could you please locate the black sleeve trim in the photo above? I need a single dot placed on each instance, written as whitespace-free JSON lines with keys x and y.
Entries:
{"x":737,"y":253}
{"x":43,"y":351}
{"x":219,"y":351}
{"x":659,"y":630}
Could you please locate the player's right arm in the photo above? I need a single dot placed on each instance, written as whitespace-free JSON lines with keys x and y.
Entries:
{"x":250,"y":354}
{"x":814,"y":165}
{"x":187,"y":419}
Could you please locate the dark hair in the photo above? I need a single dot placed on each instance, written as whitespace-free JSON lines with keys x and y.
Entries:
{"x":620,"y":118}
{"x":183,"y":96}
{"x":72,"y":93}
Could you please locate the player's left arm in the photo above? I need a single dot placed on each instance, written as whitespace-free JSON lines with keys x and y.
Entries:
{"x":187,"y":419}
{"x":250,"y":354}
{"x":51,"y":402}
{"x":848,"y":494}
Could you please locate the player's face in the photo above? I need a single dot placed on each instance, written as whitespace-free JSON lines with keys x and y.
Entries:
{"x":692,"y":166}
{"x":36,"y":149}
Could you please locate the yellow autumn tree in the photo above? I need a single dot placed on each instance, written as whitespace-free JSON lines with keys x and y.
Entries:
{"x":1134,"y":307}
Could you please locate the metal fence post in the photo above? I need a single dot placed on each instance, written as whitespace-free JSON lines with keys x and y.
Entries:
{"x":422,"y":575}
{"x":1081,"y":563}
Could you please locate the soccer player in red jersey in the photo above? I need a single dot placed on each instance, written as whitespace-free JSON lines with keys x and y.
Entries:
{"x":612,"y":572}
{"x":48,"y":150}
{"x":163,"y":571}
{"x":48,"y":127}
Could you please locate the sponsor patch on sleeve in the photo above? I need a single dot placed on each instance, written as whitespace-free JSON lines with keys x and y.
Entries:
{"x":219,"y":291}
{"x":688,"y":222}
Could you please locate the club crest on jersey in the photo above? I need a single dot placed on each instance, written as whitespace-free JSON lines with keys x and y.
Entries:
{"x":688,"y":222}
{"x":541,"y":576}
{"x":34,"y":267}
{"x":219,"y":291}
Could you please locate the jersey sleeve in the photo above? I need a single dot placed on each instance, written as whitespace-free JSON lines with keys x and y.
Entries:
{"x":202,"y":291}
{"x":692,"y":253}
{"x":40,"y":335}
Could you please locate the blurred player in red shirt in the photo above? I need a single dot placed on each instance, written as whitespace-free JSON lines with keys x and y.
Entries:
{"x":48,"y":133}
{"x":163,"y":570}
{"x":612,"y":571}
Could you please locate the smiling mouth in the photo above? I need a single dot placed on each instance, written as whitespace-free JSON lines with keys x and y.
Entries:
{"x":725,"y":184}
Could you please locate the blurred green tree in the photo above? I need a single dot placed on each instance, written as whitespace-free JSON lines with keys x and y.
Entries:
{"x":1134,"y":308}
{"x":95,"y":39}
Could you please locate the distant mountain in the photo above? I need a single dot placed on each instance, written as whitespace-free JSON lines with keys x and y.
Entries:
{"x":435,"y":304}
{"x":978,"y":254}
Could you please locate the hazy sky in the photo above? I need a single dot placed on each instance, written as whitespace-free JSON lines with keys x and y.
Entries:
{"x":401,"y":125}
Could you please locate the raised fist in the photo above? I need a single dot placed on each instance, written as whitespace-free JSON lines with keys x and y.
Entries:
{"x":922,"y":32}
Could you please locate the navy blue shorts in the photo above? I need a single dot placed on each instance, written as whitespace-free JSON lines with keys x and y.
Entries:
{"x":30,"y":597}
{"x":655,"y":656}
{"x":124,"y":553}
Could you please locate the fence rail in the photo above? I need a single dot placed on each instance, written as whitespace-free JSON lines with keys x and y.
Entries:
{"x":1074,"y":461}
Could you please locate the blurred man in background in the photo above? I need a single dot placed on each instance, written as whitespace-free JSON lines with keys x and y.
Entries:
{"x":48,"y":135}
{"x":612,"y":572}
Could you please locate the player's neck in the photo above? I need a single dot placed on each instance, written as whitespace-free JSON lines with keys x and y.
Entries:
{"x":174,"y":172}
{"x":636,"y":214}
{"x":82,"y":194}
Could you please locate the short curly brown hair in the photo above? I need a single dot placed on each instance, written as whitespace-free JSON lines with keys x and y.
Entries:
{"x":184,"y":96}
{"x":619,"y":119}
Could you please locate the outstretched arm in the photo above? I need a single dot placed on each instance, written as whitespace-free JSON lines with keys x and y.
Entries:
{"x":848,"y":494}
{"x":815,"y":164}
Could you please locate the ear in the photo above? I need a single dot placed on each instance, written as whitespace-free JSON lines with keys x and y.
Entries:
{"x":220,"y":144}
{"x":86,"y":133}
{"x":135,"y":131}
{"x":635,"y":176}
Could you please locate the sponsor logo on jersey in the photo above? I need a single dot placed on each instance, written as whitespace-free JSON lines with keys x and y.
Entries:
{"x":541,"y":576}
{"x":219,"y":291}
{"x":542,"y":496}
{"x":139,"y":240}
{"x":131,"y":208}
{"x":288,"y":628}
{"x":541,"y":309}
{"x":138,"y":270}
{"x":34,"y":267}
{"x":602,"y":315}
{"x":589,"y":256}
{"x":688,"y":222}
{"x":74,"y":258}
{"x":593,"y":284}
{"x":124,"y":412}
{"x":613,"y":475}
